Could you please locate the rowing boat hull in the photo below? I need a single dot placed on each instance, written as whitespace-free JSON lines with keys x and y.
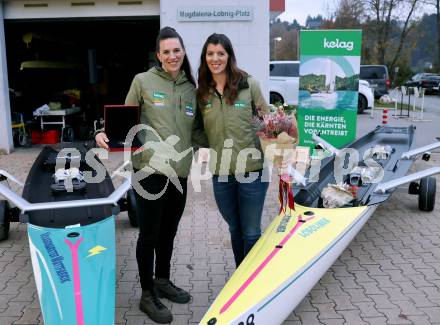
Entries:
{"x":292,"y":255}
{"x":72,"y":249}
{"x":74,"y":270}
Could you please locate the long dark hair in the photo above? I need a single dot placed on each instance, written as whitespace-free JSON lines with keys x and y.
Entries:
{"x":234,"y":75}
{"x":169,"y":32}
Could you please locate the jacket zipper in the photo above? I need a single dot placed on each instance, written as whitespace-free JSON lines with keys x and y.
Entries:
{"x":174,"y":91}
{"x":224,"y":115}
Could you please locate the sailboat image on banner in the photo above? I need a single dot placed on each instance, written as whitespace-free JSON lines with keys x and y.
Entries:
{"x":327,"y":97}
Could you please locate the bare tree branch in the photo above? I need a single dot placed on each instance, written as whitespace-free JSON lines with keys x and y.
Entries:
{"x":405,"y":30}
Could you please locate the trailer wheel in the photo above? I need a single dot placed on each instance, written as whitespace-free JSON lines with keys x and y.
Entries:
{"x":427,"y":193}
{"x":132,"y":208}
{"x":4,"y":220}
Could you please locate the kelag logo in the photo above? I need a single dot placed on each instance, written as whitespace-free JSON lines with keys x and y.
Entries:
{"x":338,"y":44}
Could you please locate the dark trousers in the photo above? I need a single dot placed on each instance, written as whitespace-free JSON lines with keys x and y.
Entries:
{"x":158,"y":221}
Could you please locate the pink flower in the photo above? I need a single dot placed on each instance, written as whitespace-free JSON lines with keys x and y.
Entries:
{"x":274,"y":123}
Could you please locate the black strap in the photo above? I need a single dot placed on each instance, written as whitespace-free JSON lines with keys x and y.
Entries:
{"x":254,"y":109}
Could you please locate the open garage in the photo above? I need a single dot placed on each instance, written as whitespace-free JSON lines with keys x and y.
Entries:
{"x":85,"y":62}
{"x":85,"y":52}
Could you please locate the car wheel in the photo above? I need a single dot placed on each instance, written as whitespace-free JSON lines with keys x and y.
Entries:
{"x":276,"y":98}
{"x":362,"y":104}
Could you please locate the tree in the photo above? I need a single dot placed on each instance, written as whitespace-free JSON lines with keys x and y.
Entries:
{"x":287,"y":47}
{"x":436,"y":4}
{"x":385,"y":14}
{"x":349,"y":14}
{"x":423,"y":39}
{"x":314,"y":22}
{"x":437,"y":7}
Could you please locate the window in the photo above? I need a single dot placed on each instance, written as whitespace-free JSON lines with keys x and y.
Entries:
{"x":372,"y":72}
{"x":292,"y":70}
{"x":277,"y":70}
{"x":284,"y":69}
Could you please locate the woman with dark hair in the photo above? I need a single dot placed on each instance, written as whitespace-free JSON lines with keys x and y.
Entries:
{"x":166,"y":95}
{"x":229,"y":98}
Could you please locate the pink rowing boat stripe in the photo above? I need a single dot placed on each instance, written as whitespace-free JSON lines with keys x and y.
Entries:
{"x":76,"y":280}
{"x":264,"y":263}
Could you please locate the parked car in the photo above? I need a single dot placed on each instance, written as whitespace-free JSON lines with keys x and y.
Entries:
{"x":377,"y":76}
{"x":366,"y":96}
{"x":284,"y":85}
{"x":429,"y":81}
{"x":284,"y":82}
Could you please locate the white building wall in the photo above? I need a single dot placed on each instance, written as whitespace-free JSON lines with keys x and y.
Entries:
{"x":6,"y":141}
{"x":249,"y":38}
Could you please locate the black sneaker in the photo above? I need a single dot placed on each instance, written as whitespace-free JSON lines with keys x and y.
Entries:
{"x":154,"y":308}
{"x":166,"y":289}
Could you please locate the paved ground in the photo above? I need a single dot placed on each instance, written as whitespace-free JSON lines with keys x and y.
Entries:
{"x":389,"y":274}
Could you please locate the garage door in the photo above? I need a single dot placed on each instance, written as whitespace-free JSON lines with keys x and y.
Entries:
{"x":37,"y":9}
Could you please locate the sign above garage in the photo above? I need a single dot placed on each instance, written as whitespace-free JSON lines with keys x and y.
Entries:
{"x":217,"y":13}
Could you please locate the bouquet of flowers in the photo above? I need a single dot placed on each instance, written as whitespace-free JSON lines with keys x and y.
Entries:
{"x":278,"y":133}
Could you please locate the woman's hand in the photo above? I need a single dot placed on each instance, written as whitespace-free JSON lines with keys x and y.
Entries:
{"x":101,"y":140}
{"x":284,"y":164}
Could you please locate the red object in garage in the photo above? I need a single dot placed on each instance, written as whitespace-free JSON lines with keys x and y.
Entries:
{"x":45,"y":137}
{"x":50,"y":137}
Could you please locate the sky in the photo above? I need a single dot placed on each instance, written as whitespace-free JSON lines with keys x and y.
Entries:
{"x":300,"y":9}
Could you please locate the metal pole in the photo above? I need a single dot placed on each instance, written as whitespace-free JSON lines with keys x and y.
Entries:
{"x":6,"y":140}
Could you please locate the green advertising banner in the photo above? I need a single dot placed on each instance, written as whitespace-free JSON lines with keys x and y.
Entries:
{"x":328,"y":85}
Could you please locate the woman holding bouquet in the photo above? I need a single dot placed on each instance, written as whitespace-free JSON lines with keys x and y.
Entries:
{"x":229,"y":98}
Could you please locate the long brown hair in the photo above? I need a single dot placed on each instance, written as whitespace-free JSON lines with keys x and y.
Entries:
{"x":169,"y":32}
{"x":234,"y":75}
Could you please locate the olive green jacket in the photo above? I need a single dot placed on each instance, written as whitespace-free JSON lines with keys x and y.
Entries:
{"x":224,"y":123}
{"x":168,"y":109}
